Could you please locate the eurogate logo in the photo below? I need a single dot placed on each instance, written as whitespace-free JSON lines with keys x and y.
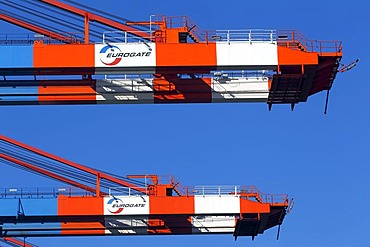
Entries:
{"x":111,"y":55}
{"x":116,"y":205}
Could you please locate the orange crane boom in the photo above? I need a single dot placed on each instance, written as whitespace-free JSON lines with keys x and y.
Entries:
{"x":163,"y":60}
{"x":136,"y":205}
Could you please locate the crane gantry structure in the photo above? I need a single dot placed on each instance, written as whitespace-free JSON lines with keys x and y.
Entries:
{"x":80,"y":55}
{"x":100,"y":203}
{"x":163,"y":60}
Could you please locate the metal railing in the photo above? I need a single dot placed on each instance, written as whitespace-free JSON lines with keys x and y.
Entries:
{"x":126,"y":191}
{"x":290,"y":38}
{"x":10,"y":193}
{"x":16,"y":39}
{"x":238,"y":191}
{"x":248,"y":191}
{"x":124,"y":37}
{"x":185,"y":21}
{"x":197,"y":33}
{"x":249,"y":35}
{"x":29,"y":39}
{"x":295,"y":39}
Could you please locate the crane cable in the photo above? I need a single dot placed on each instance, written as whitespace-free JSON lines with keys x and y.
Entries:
{"x":62,"y":22}
{"x":104,"y":13}
{"x":55,"y":166}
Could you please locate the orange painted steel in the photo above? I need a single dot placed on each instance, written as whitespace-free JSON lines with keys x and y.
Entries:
{"x":170,"y":89}
{"x":183,"y":64}
{"x":81,"y":206}
{"x":154,"y":209}
{"x":66,"y":93}
{"x":16,"y":242}
{"x":161,"y":205}
{"x":287,"y":56}
{"x":191,"y":56}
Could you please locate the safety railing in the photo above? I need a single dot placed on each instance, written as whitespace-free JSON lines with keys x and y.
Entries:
{"x":296,"y":40}
{"x":124,"y":37}
{"x":195,"y":32}
{"x":248,"y":191}
{"x":213,"y":190}
{"x":249,"y":35}
{"x":274,"y":199}
{"x":198,"y":33}
{"x":238,"y":191}
{"x":127,"y":191}
{"x":9,"y":193}
{"x":29,"y":39}
{"x":16,"y":39}
{"x":251,"y":192}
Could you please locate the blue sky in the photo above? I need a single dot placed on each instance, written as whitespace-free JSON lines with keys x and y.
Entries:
{"x":320,"y":160}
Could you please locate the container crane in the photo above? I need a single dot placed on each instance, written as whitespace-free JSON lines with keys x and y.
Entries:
{"x":99,"y":203}
{"x":163,"y":60}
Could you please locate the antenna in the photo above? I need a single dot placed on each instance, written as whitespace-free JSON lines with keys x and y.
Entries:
{"x":348,"y":67}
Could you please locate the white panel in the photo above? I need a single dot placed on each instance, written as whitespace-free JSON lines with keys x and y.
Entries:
{"x":240,"y":89}
{"x":213,"y":224}
{"x":246,"y":54}
{"x":217,"y":204}
{"x":117,"y":226}
{"x":125,"y":91}
{"x":125,"y":55}
{"x":126,"y":205}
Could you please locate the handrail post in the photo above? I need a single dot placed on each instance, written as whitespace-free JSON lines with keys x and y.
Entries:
{"x":312,"y":46}
{"x":150,"y":27}
{"x":87,"y":21}
{"x":271,"y":36}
